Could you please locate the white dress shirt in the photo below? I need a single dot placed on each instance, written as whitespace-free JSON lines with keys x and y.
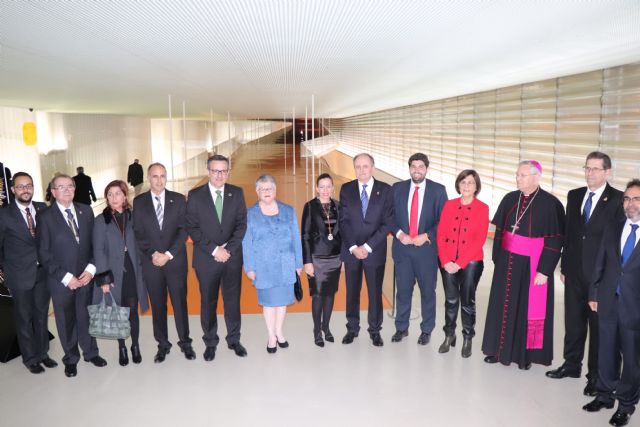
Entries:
{"x":598,"y":193}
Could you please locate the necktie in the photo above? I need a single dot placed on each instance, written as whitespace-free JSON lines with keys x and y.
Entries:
{"x":413,"y":217}
{"x":159,"y":212}
{"x":586,"y":212}
{"x":364,"y":199}
{"x":218,"y":204}
{"x":73,"y":225}
{"x":30,"y":224}
{"x":627,"y":249}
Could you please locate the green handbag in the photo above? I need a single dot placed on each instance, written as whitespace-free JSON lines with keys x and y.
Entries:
{"x":109,"y":321}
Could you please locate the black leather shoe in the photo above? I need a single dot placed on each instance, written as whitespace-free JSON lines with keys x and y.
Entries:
{"x":161,"y":355}
{"x":595,"y":405}
{"x":49,"y":362}
{"x":590,"y":388}
{"x":397,"y":337}
{"x":524,"y":366}
{"x":447,"y":344}
{"x":563,"y":372}
{"x":424,"y":338}
{"x":70,"y":370}
{"x":189,"y":354}
{"x":491,"y":359}
{"x":238,"y":349}
{"x":124,"y":356}
{"x":376,"y":340}
{"x":136,"y":357}
{"x":272,"y":350}
{"x":317,"y":339}
{"x":349,"y":337}
{"x":620,"y":418}
{"x":35,"y":368}
{"x":328,"y":336}
{"x":98,"y":361}
{"x":466,"y":348}
{"x":209,"y":354}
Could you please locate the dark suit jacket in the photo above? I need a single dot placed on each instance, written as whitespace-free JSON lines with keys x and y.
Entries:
{"x":173,"y":235}
{"x":609,"y":273}
{"x":57,"y":247}
{"x":135,"y":174}
{"x":84,"y":189}
{"x":583,"y":240}
{"x":435,"y":197}
{"x":207,"y":231}
{"x":18,"y":250}
{"x":314,"y":232}
{"x":374,"y":228}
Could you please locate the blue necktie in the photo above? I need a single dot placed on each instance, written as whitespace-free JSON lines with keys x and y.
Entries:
{"x":586,"y":212}
{"x":627,"y":249}
{"x":364,"y":199}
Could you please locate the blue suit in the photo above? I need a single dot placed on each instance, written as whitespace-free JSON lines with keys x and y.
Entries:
{"x":417,"y":262}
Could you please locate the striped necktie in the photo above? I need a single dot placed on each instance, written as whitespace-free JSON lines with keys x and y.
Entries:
{"x":159,"y":212}
{"x":364,"y":199}
{"x":72,"y":224}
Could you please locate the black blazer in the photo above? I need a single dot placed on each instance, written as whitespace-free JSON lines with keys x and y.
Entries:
{"x":173,"y":235}
{"x":18,"y":250}
{"x":608,"y":273}
{"x":207,"y":231}
{"x":84,"y":189}
{"x":135,"y":174}
{"x":583,"y":240}
{"x":57,"y":247}
{"x":314,"y":231}
{"x":374,"y":228}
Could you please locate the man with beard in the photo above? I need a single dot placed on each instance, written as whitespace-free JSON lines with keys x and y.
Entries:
{"x":418,"y":203}
{"x":526,"y":249}
{"x":24,"y":275}
{"x":615,"y":295}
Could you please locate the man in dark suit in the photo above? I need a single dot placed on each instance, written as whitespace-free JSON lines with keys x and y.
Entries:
{"x":217,"y":221}
{"x":615,"y":295}
{"x":159,"y":224}
{"x":135,"y":176}
{"x":418,"y":203}
{"x":589,"y":210}
{"x":24,"y":275}
{"x":65,"y":249}
{"x":366,"y":218}
{"x":84,"y":188}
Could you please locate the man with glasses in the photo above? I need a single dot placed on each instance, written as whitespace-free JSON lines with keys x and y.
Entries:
{"x":217,"y":221}
{"x":615,"y":295}
{"x":24,"y":275}
{"x":64,"y":235}
{"x":589,"y":210}
{"x":159,"y":225}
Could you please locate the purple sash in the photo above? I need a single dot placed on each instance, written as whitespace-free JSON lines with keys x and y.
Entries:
{"x":537,"y":310}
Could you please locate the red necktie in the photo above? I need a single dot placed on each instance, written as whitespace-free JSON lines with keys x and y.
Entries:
{"x":413,"y":218}
{"x":32,"y":228}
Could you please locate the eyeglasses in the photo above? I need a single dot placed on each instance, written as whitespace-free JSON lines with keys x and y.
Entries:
{"x":266,"y":190}
{"x":24,"y":187}
{"x":218,"y":172}
{"x":64,"y":187}
{"x":627,"y":199}
{"x":589,"y":170}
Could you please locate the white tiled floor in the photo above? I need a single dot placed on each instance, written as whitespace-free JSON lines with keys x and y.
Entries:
{"x":399,"y":384}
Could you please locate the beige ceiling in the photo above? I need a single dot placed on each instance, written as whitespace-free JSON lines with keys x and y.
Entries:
{"x":260,"y":58}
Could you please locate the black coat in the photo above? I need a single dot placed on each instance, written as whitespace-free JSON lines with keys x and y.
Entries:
{"x":84,"y":189}
{"x":135,"y":175}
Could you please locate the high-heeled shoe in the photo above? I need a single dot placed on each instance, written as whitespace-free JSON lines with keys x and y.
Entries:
{"x":124,"y":357}
{"x":328,"y":336}
{"x":466,"y":348}
{"x":136,"y":357}
{"x":318,"y":339}
{"x":449,"y":341}
{"x":271,"y":350}
{"x":283,"y":344}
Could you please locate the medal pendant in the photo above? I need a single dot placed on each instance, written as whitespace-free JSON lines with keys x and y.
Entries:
{"x":330,"y":236}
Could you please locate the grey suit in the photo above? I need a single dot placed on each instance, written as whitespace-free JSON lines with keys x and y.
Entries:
{"x":25,"y":278}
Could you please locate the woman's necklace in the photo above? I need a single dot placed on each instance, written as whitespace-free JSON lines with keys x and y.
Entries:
{"x":326,"y":212}
{"x":124,"y":227}
{"x":514,"y":227}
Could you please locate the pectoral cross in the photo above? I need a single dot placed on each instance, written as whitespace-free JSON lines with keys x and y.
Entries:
{"x":514,"y":227}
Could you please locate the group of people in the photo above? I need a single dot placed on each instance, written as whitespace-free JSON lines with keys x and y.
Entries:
{"x":137,"y":254}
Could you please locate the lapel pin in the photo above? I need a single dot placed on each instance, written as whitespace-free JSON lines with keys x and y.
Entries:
{"x":170,"y":200}
{"x":605,"y":199}
{"x":80,"y":212}
{"x":229,"y":194}
{"x":377,"y":193}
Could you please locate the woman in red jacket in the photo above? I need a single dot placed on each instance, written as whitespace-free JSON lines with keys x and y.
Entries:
{"x":462,"y":231}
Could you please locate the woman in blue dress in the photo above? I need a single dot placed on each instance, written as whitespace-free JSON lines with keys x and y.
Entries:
{"x":272,"y":255}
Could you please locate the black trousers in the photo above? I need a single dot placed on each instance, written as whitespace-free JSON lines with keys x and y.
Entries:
{"x":161,"y":281}
{"x":129,"y":297}
{"x":579,"y":320}
{"x":30,"y":310}
{"x":375,"y":276}
{"x":228,"y":278}
{"x":461,"y":287}
{"x":619,"y":347}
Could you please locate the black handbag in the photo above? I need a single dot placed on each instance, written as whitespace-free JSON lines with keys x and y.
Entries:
{"x":297,"y":288}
